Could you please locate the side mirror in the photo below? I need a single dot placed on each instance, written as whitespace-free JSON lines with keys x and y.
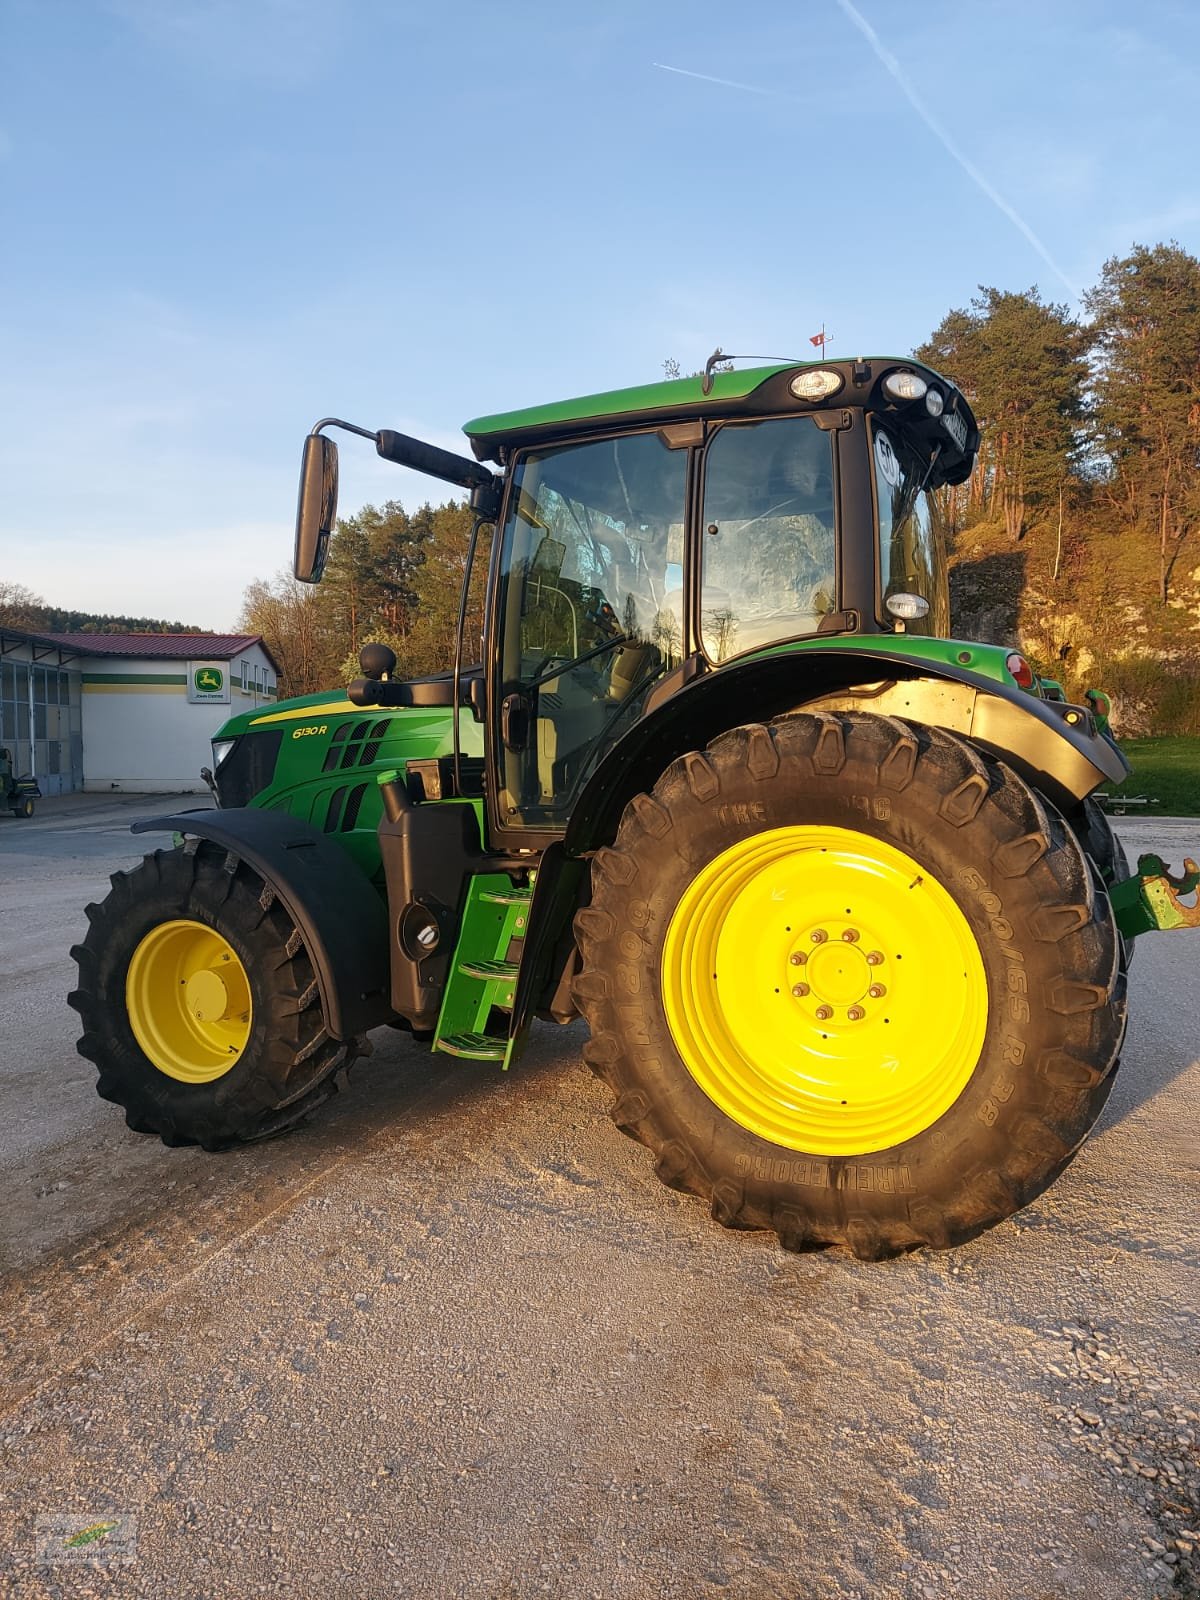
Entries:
{"x":316,"y":509}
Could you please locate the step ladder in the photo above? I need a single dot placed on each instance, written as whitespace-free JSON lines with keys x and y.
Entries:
{"x":483,"y":977}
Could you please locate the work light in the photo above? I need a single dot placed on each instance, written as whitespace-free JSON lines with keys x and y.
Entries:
{"x":817,"y":385}
{"x":904,"y":386}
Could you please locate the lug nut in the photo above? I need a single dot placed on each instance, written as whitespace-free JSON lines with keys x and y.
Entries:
{"x":851,"y":936}
{"x":799,"y":990}
{"x":824,"y":1013}
{"x":818,"y":936}
{"x":797,"y":958}
{"x":877,"y":991}
{"x":875,"y":958}
{"x":856,"y":1013}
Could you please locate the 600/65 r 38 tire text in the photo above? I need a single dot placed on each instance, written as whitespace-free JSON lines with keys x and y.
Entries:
{"x":853,"y":981}
{"x":199,"y":1002}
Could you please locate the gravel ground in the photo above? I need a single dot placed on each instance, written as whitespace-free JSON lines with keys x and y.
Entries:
{"x":454,"y":1339}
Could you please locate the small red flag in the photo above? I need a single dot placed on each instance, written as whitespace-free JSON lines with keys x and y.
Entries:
{"x":817,"y":338}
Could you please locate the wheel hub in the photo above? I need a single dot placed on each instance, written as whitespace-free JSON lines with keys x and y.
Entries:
{"x":205,"y":996}
{"x":837,"y":972}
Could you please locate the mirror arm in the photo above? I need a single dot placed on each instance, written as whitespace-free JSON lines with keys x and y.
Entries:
{"x":484,"y":486}
{"x":350,"y":427}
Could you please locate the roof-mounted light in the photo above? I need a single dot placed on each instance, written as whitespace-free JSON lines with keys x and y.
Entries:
{"x":816,"y":384}
{"x":907,"y":607}
{"x":904,"y":386}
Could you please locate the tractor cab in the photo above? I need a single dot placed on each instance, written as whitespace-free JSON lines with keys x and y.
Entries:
{"x":657,"y":534}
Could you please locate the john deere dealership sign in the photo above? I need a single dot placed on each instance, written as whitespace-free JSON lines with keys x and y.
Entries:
{"x":208,"y":680}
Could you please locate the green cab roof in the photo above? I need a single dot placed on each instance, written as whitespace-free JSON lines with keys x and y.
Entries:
{"x":670,"y":395}
{"x":684,"y":398}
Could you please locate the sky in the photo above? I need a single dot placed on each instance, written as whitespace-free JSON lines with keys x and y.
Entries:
{"x":225,"y":219}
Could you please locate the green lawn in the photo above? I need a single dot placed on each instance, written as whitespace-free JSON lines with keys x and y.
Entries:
{"x":1166,"y":770}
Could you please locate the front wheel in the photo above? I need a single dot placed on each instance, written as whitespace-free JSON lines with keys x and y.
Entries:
{"x":199,"y":1002}
{"x":23,"y":807}
{"x":853,"y":981}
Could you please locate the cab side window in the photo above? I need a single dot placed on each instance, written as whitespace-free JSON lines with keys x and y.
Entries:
{"x":768,"y":546}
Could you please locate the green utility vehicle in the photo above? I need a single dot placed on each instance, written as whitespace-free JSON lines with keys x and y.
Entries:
{"x":17,"y":793}
{"x":830,"y":889}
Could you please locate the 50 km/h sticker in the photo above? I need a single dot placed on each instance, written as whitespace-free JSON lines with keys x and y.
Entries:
{"x":885,"y":458}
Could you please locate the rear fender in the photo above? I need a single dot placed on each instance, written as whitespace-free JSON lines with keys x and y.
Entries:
{"x":341,"y":917}
{"x":1064,"y":759}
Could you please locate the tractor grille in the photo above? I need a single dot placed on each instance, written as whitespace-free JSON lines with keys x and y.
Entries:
{"x":249,"y":767}
{"x":355,"y":744}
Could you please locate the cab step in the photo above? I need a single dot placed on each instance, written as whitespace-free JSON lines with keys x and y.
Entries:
{"x":474,"y":1046}
{"x":483,"y":976}
{"x":490,"y":969}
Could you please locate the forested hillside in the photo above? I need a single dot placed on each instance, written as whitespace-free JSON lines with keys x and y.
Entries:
{"x":1078,"y":535}
{"x":20,"y":608}
{"x":1079,"y":531}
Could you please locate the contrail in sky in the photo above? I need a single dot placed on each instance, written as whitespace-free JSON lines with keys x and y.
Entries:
{"x":726,"y":83}
{"x":895,"y":71}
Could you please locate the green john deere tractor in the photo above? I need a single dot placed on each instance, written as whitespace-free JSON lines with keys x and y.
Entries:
{"x":830,"y":889}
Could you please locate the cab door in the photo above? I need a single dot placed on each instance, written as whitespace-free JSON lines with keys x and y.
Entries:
{"x":588,"y":615}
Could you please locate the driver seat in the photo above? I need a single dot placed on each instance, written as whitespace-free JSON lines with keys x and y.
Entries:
{"x":632,"y":664}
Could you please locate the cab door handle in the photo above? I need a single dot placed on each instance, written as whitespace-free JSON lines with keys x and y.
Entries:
{"x":514,"y":721}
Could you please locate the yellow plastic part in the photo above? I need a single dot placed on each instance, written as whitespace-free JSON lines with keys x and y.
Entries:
{"x":824,"y":990}
{"x":188,"y":999}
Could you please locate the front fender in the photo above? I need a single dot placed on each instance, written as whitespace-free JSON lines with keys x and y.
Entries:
{"x":1065,"y":760}
{"x":341,"y":917}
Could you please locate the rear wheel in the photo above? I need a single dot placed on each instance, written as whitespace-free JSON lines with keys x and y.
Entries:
{"x":851,"y":980}
{"x":199,"y":1002}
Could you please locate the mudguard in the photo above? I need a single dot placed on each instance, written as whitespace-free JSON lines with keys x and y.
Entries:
{"x":1064,"y":759}
{"x":341,"y":917}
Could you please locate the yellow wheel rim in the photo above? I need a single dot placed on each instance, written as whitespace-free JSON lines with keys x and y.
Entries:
{"x":188,"y":998}
{"x":824,"y":990}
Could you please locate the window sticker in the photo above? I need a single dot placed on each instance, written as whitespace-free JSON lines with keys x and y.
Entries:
{"x":885,"y":459}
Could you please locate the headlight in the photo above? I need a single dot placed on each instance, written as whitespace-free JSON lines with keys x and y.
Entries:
{"x":220,"y":750}
{"x":904,"y":386}
{"x":818,"y":385}
{"x":934,"y":402}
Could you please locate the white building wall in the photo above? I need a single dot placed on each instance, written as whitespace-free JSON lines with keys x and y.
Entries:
{"x":139,"y":731}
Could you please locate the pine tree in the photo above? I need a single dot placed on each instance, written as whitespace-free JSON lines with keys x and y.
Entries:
{"x":1147,"y":393}
{"x":1022,"y":363}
